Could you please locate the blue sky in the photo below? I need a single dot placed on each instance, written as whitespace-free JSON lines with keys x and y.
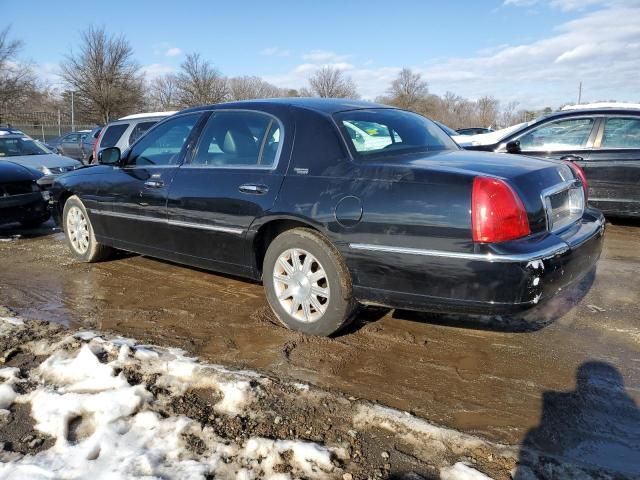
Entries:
{"x":531,"y":51}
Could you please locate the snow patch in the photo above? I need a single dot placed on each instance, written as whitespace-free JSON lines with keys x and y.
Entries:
{"x":12,"y":320}
{"x":460,"y":471}
{"x":104,"y":427}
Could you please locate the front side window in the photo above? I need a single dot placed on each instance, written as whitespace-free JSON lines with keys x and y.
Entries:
{"x":621,"y":133}
{"x":138,"y":130}
{"x":234,"y":139}
{"x":15,"y":147}
{"x":163,"y":145}
{"x":112,"y":135}
{"x":71,"y":138}
{"x":383,"y":132}
{"x":560,"y":135}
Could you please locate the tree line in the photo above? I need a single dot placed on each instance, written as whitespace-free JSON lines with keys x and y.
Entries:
{"x":108,"y":82}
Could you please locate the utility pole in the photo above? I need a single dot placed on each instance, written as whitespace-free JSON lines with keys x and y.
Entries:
{"x":73,"y":123}
{"x":580,"y":92}
{"x":59,"y":127}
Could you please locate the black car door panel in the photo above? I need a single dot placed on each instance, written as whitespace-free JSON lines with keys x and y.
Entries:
{"x":133,"y":197}
{"x":233,"y":177}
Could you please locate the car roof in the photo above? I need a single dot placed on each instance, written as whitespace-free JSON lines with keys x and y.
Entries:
{"x":602,"y":105}
{"x":591,"y":111}
{"x":323,"y":105}
{"x":137,"y":116}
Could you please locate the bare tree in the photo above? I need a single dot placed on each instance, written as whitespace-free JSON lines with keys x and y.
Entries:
{"x":487,"y":109}
{"x":245,"y":88}
{"x":510,"y":115}
{"x":199,"y":83}
{"x":104,"y":76}
{"x":163,"y":92}
{"x":332,"y":82}
{"x":407,"y":89}
{"x":17,"y":80}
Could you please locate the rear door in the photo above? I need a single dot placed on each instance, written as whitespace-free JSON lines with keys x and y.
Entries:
{"x":133,"y":198}
{"x":70,"y":145}
{"x":233,"y":176}
{"x":613,"y":168}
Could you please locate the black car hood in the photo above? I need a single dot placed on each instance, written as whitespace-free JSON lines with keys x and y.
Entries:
{"x":12,"y":172}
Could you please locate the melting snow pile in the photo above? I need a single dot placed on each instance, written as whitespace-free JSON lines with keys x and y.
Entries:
{"x":104,"y":427}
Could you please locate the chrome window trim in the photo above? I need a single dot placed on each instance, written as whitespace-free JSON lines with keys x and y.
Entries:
{"x":481,"y":257}
{"x":177,"y":223}
{"x":213,"y":112}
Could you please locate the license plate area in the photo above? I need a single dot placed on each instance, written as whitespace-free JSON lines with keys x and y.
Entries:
{"x":564,"y":205}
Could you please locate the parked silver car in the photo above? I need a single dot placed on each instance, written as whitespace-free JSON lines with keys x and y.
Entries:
{"x":126,"y":130}
{"x":26,"y":151}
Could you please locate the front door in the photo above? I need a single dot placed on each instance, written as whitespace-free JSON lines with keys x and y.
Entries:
{"x":567,"y":138}
{"x":132,"y":198}
{"x":613,"y":169}
{"x":232,"y":177}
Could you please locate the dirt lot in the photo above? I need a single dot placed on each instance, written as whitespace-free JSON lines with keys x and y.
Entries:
{"x":566,"y":381}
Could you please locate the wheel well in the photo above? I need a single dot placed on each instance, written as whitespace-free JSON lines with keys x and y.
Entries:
{"x":270,"y":231}
{"x":60,"y":206}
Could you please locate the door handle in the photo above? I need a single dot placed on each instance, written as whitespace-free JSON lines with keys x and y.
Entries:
{"x":154,"y":184}
{"x":254,"y":189}
{"x":572,"y":158}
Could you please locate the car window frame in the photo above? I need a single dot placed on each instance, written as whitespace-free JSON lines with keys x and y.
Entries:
{"x":135,"y":125}
{"x":106,"y":128}
{"x":600,"y":134}
{"x":194,"y":135}
{"x":188,"y":162}
{"x":589,"y":145}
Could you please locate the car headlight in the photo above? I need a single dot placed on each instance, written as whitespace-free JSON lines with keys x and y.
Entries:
{"x":44,"y":170}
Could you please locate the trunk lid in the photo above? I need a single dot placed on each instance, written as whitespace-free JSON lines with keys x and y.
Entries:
{"x":529,"y":176}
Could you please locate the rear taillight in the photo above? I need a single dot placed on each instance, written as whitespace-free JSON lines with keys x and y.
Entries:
{"x":497,"y":213}
{"x":579,"y":173}
{"x":95,"y":146}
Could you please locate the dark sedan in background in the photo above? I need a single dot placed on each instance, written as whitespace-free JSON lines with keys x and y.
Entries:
{"x":605,"y":142}
{"x":20,"y":197}
{"x":280,"y":191}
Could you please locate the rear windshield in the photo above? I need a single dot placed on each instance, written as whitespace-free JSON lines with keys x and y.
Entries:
{"x":112,"y":134}
{"x":387,"y":132}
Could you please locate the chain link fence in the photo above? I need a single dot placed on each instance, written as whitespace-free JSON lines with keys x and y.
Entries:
{"x":42,"y":125}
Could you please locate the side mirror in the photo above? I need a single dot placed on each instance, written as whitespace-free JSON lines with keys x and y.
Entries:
{"x":514,"y":146}
{"x":109,"y":156}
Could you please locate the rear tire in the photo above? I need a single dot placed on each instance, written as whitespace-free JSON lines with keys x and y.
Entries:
{"x":79,"y":233}
{"x":307,"y":283}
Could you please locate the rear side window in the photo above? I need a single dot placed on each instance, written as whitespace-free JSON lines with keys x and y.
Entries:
{"x":112,"y":134}
{"x":387,"y":132}
{"x":559,"y":135}
{"x":621,"y":133}
{"x":233,"y":139}
{"x":138,"y":130}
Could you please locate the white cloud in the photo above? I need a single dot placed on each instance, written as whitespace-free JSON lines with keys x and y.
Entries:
{"x":173,"y":52}
{"x":324,"y":56}
{"x":275,"y":51}
{"x":154,"y":70}
{"x":598,"y":48}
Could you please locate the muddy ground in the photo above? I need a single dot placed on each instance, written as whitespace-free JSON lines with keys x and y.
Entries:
{"x":568,"y":371}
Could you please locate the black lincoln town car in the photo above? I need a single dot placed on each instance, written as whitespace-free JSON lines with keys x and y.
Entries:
{"x":335,"y":203}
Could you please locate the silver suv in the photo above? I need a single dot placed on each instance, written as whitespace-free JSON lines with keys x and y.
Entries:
{"x":126,"y":130}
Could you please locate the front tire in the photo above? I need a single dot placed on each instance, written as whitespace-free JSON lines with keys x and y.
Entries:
{"x":307,"y":283}
{"x":79,"y":233}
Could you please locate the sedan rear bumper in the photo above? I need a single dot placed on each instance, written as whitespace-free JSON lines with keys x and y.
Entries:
{"x":499,"y":279}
